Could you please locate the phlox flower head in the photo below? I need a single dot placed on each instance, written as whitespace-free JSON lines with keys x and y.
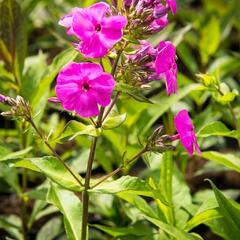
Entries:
{"x":81,"y":87}
{"x":96,"y":28}
{"x":166,"y":65}
{"x":186,"y":132}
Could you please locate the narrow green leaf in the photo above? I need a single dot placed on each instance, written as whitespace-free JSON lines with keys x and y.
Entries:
{"x":228,"y":160}
{"x":210,"y":39}
{"x":70,"y":206}
{"x":114,"y":121}
{"x":139,"y":203}
{"x":172,"y":231}
{"x":54,"y":170}
{"x":124,"y":231}
{"x":230,"y":211}
{"x":129,"y":184}
{"x":74,"y":129}
{"x":50,"y":230}
{"x":217,"y":129}
{"x":10,"y":175}
{"x":203,"y":217}
{"x":15,"y":155}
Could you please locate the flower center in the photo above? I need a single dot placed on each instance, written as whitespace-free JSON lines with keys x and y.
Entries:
{"x":85,"y":87}
{"x":98,"y":28}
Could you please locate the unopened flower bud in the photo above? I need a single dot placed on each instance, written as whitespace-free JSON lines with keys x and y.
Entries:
{"x":2,"y":98}
{"x":54,"y":100}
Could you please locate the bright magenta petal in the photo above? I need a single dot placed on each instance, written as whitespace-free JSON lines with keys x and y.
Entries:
{"x":111,"y":30}
{"x":93,"y":48}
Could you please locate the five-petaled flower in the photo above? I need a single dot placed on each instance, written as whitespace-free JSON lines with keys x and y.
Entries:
{"x":81,"y":87}
{"x":96,"y":28}
{"x":166,"y":65}
{"x":186,"y":132}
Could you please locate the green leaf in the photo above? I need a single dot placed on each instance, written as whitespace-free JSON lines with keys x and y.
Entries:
{"x":228,"y":160}
{"x":114,"y":121}
{"x":157,"y":109}
{"x":15,"y":155}
{"x":210,"y":39}
{"x":13,"y":44}
{"x":54,"y":170}
{"x":203,"y":217}
{"x":50,"y":230}
{"x":74,"y":129}
{"x":166,"y":176}
{"x":10,"y":175}
{"x":172,"y":231}
{"x":139,"y":203}
{"x":230,"y":211}
{"x":70,"y":206}
{"x":217,"y":129}
{"x":124,"y":231}
{"x":11,"y":224}
{"x":132,"y":91}
{"x":165,"y":186}
{"x":129,"y":184}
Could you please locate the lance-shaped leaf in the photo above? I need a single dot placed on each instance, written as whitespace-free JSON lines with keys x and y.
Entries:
{"x":54,"y":170}
{"x":70,"y":206}
{"x":114,"y":121}
{"x":230,"y":211}
{"x":228,"y":160}
{"x":217,"y":129}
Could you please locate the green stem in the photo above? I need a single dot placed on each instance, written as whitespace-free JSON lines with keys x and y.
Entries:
{"x":24,"y":201}
{"x":54,"y":152}
{"x":101,"y":117}
{"x":129,"y":162}
{"x":86,"y":187}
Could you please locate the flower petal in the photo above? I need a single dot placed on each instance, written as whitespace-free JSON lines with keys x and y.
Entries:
{"x":83,"y":25}
{"x":98,"y":10}
{"x":93,"y":48}
{"x":111,"y":30}
{"x":87,"y":105}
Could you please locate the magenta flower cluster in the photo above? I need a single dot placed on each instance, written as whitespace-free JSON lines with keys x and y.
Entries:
{"x":97,"y":30}
{"x":83,"y":87}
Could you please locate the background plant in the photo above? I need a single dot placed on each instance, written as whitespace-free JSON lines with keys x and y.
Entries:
{"x":204,"y":47}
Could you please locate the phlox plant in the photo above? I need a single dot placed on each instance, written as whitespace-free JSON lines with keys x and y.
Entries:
{"x":114,"y":63}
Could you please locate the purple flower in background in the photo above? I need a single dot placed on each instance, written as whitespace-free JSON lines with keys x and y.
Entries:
{"x":97,"y":30}
{"x":186,"y":132}
{"x":173,"y":5}
{"x":166,"y":65}
{"x":81,"y":87}
{"x":2,"y":98}
{"x":66,"y":21}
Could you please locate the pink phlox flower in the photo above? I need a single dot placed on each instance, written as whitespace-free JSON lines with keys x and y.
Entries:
{"x":81,"y":87}
{"x":97,"y":30}
{"x":186,"y":132}
{"x":66,"y":21}
{"x":166,"y":65}
{"x":160,"y":15}
{"x":173,"y":5}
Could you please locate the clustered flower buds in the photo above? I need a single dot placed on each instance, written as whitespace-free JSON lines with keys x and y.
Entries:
{"x":146,"y":17}
{"x":19,"y":107}
{"x":158,"y":142}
